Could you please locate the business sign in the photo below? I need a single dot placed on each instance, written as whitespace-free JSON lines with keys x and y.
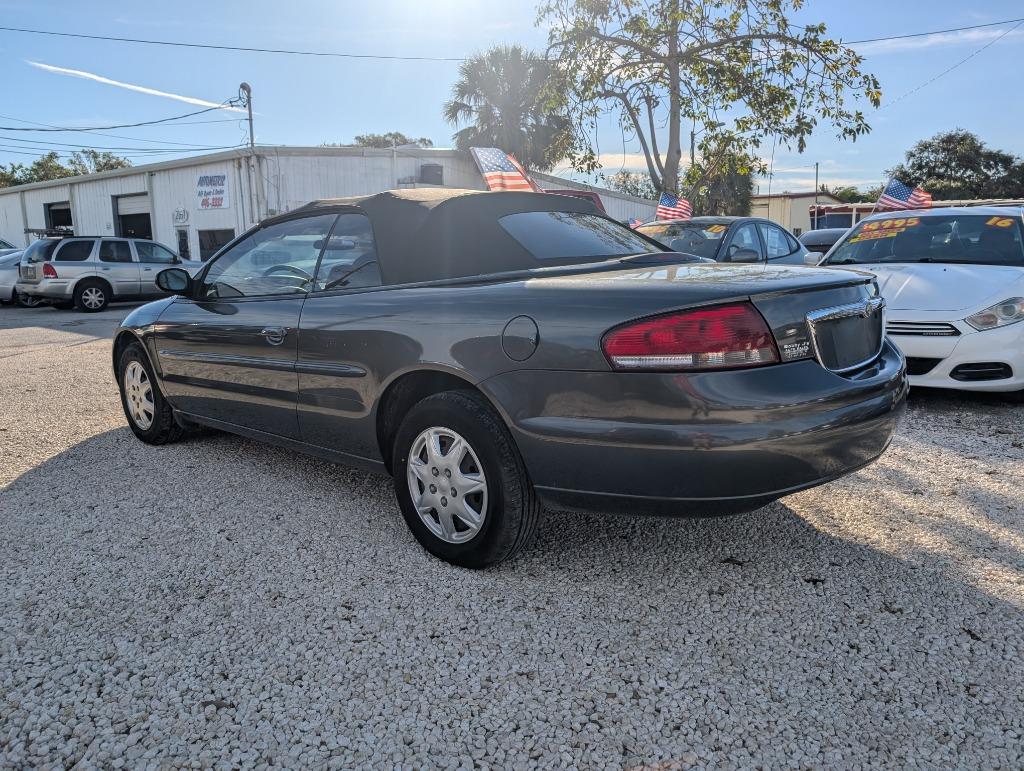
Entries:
{"x":212,"y":192}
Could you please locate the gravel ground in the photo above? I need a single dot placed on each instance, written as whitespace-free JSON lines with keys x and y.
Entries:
{"x":221,"y":603}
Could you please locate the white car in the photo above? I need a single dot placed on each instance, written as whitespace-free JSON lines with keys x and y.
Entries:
{"x":953,"y":283}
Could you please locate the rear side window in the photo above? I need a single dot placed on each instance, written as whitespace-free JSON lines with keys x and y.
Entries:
{"x":777,"y":241}
{"x":74,"y":251}
{"x":556,"y":235}
{"x":349,"y":258}
{"x":150,"y":252}
{"x":115,"y":251}
{"x":40,"y":251}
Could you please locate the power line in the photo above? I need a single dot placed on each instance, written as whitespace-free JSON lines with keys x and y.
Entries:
{"x":395,"y":57}
{"x":15,"y":150}
{"x":950,"y":69}
{"x":226,"y":103}
{"x":232,"y":48}
{"x":117,"y":136}
{"x":925,"y":34}
{"x":31,"y":144}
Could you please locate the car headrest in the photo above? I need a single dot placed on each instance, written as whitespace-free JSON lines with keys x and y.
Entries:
{"x":998,"y":239}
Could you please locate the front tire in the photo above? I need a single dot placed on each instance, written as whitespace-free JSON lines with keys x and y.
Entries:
{"x":149,"y":415}
{"x":92,"y":296}
{"x":461,"y":483}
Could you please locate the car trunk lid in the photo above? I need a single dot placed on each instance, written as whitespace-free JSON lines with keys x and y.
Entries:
{"x":829,"y":315}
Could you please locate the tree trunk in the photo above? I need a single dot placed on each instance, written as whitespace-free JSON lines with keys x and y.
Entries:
{"x":673,"y":151}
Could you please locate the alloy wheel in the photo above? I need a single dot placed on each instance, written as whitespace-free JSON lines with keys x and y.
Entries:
{"x":447,"y":484}
{"x":93,"y":298}
{"x":138,"y":394}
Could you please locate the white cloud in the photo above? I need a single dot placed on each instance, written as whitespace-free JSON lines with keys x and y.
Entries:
{"x":612,"y":161}
{"x":941,"y":39}
{"x":129,"y":86}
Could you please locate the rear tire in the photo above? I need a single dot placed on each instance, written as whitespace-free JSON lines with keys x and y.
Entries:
{"x":92,"y":296}
{"x":506,"y":502}
{"x":149,"y":415}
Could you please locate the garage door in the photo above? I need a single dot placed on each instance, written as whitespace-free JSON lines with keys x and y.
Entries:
{"x":133,"y":204}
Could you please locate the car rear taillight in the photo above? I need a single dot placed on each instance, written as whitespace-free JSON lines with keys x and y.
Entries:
{"x":718,"y":337}
{"x":49,"y":271}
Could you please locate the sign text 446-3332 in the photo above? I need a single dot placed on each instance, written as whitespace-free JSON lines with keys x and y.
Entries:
{"x":212,"y":192}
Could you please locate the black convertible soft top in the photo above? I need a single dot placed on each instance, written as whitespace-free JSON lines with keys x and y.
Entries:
{"x":425,"y":234}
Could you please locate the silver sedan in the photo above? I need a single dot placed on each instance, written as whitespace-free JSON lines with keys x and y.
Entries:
{"x":9,"y":277}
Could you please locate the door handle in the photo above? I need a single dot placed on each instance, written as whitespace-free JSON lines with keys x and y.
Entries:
{"x":147,"y":269}
{"x":274,"y":335}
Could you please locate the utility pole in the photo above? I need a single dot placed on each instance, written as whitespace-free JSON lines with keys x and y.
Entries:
{"x":245,"y":95}
{"x":815,"y":195}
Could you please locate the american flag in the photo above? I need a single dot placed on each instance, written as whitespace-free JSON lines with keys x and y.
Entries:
{"x":900,"y":196}
{"x":501,"y":170}
{"x":672,"y":208}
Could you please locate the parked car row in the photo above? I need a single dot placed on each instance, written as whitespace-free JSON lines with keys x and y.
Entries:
{"x":86,"y":272}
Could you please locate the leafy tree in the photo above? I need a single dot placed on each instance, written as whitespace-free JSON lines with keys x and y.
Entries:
{"x":390,"y":139}
{"x":848,"y":193}
{"x":957,"y":164}
{"x":499,"y":97}
{"x":49,"y":166}
{"x":725,"y":188}
{"x":382,"y":141}
{"x":739,"y":72}
{"x":94,"y":161}
{"x":632,"y":183}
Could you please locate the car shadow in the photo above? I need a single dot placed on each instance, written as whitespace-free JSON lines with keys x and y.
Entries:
{"x":818,"y":605}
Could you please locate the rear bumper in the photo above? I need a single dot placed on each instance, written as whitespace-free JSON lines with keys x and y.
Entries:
{"x":706,"y":443}
{"x":54,"y":288}
{"x":1005,"y":346}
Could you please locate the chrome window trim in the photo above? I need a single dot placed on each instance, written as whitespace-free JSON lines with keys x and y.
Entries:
{"x":865,"y":308}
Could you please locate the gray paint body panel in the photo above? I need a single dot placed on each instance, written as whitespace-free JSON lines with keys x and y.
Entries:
{"x":590,"y":437}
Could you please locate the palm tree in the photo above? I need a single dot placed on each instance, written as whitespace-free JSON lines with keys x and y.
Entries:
{"x":500,"y":96}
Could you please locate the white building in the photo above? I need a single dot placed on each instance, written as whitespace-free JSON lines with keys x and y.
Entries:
{"x":196,"y":205}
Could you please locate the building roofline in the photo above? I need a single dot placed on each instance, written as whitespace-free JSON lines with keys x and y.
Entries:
{"x":572,"y":184}
{"x":422,"y":153}
{"x":231,"y":155}
{"x":808,"y":194}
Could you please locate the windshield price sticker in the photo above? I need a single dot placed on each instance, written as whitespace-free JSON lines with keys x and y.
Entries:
{"x":715,"y":229}
{"x":885,"y":228}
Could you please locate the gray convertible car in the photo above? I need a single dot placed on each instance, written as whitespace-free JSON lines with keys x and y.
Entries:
{"x":495,"y":352}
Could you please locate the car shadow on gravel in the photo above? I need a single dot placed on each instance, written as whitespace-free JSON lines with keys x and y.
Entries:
{"x":209,"y":563}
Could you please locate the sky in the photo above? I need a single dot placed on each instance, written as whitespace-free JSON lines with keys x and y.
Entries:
{"x":311,"y":100}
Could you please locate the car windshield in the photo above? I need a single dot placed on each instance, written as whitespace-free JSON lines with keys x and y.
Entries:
{"x":5,"y":245}
{"x":979,"y":239}
{"x":702,"y":240}
{"x":557,"y":235}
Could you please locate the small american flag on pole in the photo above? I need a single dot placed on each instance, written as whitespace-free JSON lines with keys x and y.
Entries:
{"x":672,"y":208}
{"x":501,"y":170}
{"x":898,"y":195}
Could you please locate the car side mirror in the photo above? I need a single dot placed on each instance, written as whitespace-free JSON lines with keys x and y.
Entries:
{"x":174,"y":281}
{"x":812,"y":258}
{"x":745,"y":255}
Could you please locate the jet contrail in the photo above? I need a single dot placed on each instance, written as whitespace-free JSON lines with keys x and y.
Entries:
{"x":129,"y":86}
